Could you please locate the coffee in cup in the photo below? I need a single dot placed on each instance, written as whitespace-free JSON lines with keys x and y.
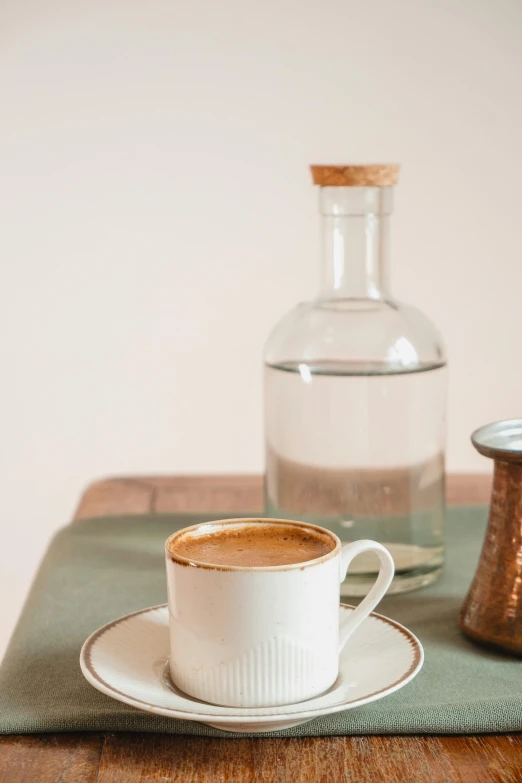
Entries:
{"x":254,"y":609}
{"x":258,"y":545}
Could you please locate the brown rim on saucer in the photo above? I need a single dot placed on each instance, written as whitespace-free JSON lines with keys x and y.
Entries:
{"x":87,"y":666}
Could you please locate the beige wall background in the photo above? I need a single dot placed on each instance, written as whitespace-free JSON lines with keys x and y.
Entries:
{"x":157,"y":217}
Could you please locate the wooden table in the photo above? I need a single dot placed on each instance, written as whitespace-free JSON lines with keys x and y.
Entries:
{"x":136,"y":758}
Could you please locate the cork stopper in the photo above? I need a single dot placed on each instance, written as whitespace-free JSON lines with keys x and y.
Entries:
{"x":375,"y":175}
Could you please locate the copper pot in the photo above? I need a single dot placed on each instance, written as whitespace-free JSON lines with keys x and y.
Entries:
{"x":492,"y":611}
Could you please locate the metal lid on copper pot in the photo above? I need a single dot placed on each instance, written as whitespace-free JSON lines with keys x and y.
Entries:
{"x":500,"y":440}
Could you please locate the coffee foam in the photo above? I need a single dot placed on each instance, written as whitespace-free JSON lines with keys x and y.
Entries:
{"x":254,"y":544}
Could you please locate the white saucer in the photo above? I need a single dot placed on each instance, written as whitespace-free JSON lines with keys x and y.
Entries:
{"x":128,"y":660}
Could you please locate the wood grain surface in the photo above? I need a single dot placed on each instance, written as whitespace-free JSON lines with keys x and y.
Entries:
{"x":48,"y":758}
{"x":164,"y":494}
{"x":151,"y":758}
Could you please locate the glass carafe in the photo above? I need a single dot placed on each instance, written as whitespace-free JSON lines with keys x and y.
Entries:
{"x":355,"y":395}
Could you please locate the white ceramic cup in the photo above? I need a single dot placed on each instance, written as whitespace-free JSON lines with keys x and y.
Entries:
{"x":262,"y":636}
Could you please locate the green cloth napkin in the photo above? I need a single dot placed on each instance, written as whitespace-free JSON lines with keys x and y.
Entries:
{"x":99,"y":569}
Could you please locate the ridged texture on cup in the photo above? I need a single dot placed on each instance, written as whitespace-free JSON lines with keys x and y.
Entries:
{"x":272,"y":674}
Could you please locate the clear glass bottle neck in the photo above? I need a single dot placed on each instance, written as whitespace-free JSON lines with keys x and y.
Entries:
{"x":355,"y":226}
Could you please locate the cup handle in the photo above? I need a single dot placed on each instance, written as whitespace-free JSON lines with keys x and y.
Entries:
{"x":387,"y":568}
